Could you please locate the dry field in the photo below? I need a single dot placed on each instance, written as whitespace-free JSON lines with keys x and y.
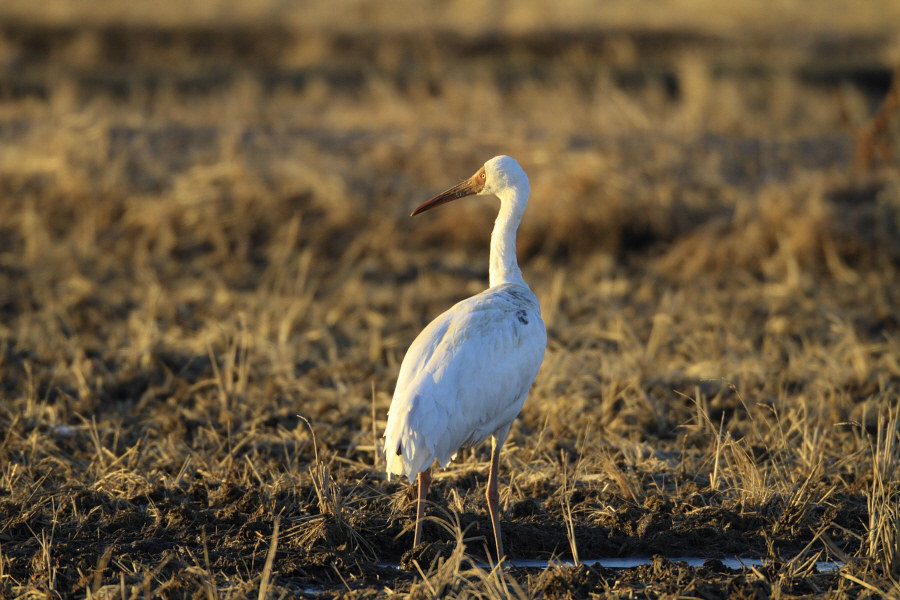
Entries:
{"x":208,"y":280}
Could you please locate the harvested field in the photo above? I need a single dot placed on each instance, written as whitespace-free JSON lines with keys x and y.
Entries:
{"x":209,"y":279}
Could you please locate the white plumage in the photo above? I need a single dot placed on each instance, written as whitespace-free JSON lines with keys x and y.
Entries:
{"x":466,"y":376}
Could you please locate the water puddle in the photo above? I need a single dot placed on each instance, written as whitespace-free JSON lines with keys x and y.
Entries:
{"x":636,"y":561}
{"x":733,"y":563}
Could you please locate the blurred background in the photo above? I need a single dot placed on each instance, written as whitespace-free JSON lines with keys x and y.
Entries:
{"x":636,"y":121}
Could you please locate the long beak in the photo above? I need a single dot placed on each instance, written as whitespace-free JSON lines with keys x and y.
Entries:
{"x":469,"y":187}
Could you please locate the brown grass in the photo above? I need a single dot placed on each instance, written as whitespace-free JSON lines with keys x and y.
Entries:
{"x":470,"y":18}
{"x":201,"y":247}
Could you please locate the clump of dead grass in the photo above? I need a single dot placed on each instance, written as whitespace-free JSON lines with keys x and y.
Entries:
{"x":331,"y":526}
{"x":460,"y":576}
{"x":883,"y":498}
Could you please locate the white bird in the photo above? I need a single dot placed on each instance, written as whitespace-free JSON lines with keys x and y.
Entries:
{"x":466,"y":376}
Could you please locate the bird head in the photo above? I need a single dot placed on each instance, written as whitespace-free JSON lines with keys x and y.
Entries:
{"x":499,"y":176}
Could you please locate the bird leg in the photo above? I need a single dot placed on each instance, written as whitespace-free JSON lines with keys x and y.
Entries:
{"x":493,"y":497}
{"x":424,"y":482}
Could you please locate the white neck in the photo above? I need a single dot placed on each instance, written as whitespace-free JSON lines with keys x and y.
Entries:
{"x":504,"y":267}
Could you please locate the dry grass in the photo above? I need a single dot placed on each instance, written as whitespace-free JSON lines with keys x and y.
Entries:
{"x":199,"y":255}
{"x":464,"y":17}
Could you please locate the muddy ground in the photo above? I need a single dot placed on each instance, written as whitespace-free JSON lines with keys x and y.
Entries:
{"x":208,"y":281}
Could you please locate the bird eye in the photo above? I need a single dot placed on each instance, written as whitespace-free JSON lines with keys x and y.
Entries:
{"x":482,"y":175}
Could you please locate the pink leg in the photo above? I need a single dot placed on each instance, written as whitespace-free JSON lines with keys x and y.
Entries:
{"x":493,"y":497}
{"x":424,"y":482}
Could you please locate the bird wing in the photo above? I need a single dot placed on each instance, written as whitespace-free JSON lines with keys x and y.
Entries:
{"x":464,"y":377}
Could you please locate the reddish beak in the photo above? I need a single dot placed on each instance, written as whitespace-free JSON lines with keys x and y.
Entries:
{"x":469,"y":187}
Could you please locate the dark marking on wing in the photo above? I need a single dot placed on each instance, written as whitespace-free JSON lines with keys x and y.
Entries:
{"x":399,"y":449}
{"x":515,"y":294}
{"x":522,"y":315}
